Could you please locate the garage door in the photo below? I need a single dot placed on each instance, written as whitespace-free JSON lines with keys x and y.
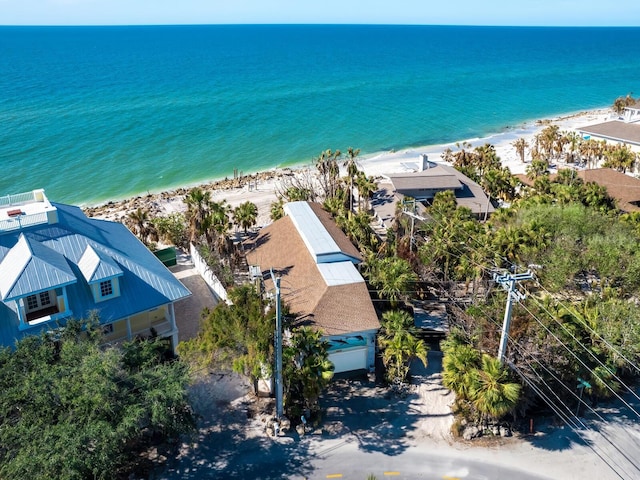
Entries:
{"x":349,"y":359}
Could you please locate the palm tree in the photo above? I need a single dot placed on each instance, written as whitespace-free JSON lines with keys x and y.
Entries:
{"x":574,"y":139}
{"x":352,"y":170}
{"x":399,"y":344}
{"x":548,"y":138}
{"x":568,"y":176}
{"x":458,"y":363}
{"x":141,"y":225}
{"x":492,"y":393}
{"x":394,"y":277}
{"x":620,"y":157}
{"x":366,"y":188}
{"x":486,"y":158}
{"x":327,"y":165}
{"x":218,"y":224}
{"x":520,"y":145}
{"x":394,"y":321}
{"x":307,"y":368}
{"x":507,"y":242}
{"x":245,"y":215}
{"x":537,"y":168}
{"x":277,"y":210}
{"x":198,"y":205}
{"x":619,"y":105}
{"x":398,"y":352}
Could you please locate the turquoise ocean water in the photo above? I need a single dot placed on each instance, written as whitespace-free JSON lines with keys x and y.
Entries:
{"x":98,"y":113}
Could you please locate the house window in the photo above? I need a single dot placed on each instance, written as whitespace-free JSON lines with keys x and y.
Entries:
{"x":106,"y":288}
{"x":32,"y":302}
{"x":38,"y":301}
{"x":40,"y":305}
{"x":45,"y":299}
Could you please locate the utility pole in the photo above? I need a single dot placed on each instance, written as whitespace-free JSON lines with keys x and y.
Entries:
{"x":508,"y":282}
{"x":278,"y":339}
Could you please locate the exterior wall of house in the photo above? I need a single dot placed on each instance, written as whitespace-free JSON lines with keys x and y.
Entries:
{"x":352,"y":342}
{"x":631,"y":115}
{"x":160,"y":319}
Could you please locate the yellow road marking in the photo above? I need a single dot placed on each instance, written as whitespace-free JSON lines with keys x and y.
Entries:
{"x":391,"y":473}
{"x":447,"y":477}
{"x":334,"y":475}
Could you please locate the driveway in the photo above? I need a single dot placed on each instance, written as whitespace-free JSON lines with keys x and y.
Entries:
{"x":189,"y":310}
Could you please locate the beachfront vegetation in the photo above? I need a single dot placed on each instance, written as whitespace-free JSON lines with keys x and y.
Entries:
{"x":71,"y":408}
{"x":245,"y":215}
{"x":484,"y":388}
{"x":172,"y":229}
{"x":141,"y":224}
{"x":570,"y":325}
{"x":240,"y":337}
{"x":307,"y":371}
{"x":583,"y":251}
{"x":237,"y":336}
{"x":400,"y":346}
{"x":621,"y":103}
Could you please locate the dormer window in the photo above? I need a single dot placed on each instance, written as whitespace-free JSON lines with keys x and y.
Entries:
{"x":106,"y":288}
{"x":101,"y":272}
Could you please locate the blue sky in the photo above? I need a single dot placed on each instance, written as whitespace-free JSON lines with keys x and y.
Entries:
{"x":428,"y":12}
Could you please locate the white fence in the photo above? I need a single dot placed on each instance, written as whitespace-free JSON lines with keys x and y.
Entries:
{"x":206,"y":273}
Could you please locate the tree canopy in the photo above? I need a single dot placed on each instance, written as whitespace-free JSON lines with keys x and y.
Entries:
{"x":72,"y":409}
{"x":239,"y":335}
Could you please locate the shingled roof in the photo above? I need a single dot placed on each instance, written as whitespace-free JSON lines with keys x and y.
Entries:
{"x":329,"y":294}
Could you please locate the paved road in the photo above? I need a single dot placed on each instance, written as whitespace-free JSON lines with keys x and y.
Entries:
{"x":309,"y":459}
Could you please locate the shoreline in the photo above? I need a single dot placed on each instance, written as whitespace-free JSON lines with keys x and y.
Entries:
{"x":260,"y":187}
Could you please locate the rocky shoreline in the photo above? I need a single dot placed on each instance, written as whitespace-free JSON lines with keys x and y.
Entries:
{"x":163,"y":203}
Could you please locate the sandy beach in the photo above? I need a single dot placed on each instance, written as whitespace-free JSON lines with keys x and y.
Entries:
{"x":261,"y":188}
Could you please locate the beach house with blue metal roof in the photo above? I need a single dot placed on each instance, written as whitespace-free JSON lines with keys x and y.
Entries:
{"x":57,"y":264}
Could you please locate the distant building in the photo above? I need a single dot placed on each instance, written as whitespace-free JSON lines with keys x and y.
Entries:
{"x":319,"y":281}
{"x":613,"y":131}
{"x":56,"y":263}
{"x":432,"y":178}
{"x":625,"y":129}
{"x":631,"y":113}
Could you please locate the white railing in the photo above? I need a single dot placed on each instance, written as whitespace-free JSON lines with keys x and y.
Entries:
{"x":208,"y":276}
{"x":21,"y":221}
{"x":17,"y":199}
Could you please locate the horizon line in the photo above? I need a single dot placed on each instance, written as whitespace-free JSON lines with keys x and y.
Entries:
{"x":65,"y":25}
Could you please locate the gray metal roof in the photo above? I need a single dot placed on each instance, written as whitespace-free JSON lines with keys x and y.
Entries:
{"x":96,"y":265}
{"x":339,"y":273}
{"x":31,"y":267}
{"x":319,"y":242}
